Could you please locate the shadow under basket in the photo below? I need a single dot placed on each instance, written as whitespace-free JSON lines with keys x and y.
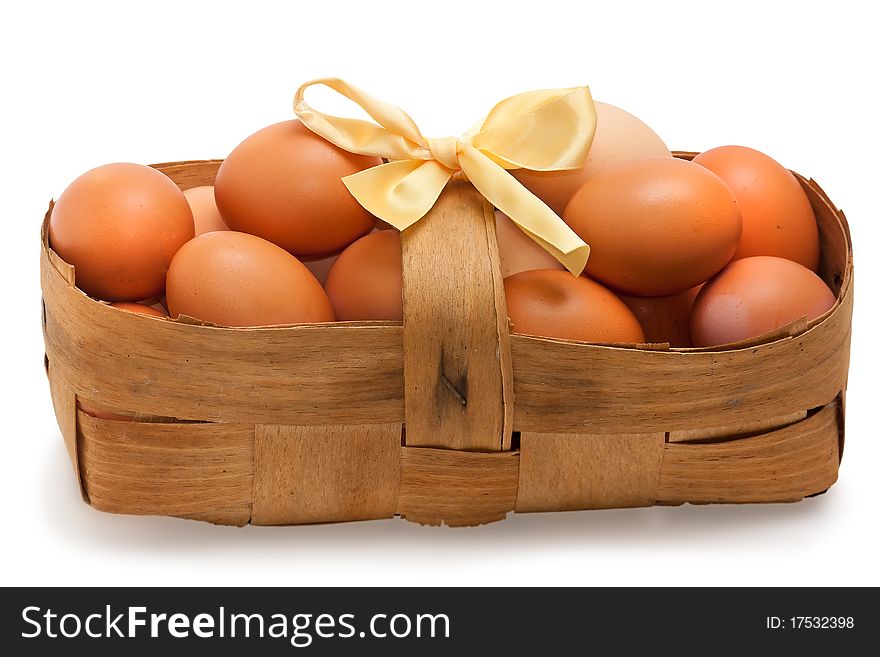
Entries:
{"x":445,"y":418}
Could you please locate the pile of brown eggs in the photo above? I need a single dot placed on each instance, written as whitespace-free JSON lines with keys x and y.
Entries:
{"x":713,"y":251}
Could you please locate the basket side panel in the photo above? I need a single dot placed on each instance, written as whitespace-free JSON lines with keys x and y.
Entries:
{"x":576,"y":388}
{"x":196,"y":470}
{"x":145,"y":366}
{"x":780,"y":466}
{"x":563,"y":472}
{"x":311,"y":474}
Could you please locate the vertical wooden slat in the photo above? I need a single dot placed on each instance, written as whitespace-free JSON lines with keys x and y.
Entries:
{"x":457,"y":368}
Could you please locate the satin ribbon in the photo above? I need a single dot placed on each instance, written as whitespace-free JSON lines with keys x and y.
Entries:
{"x":545,"y":130}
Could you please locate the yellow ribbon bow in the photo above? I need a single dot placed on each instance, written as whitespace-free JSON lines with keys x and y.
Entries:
{"x":545,"y":130}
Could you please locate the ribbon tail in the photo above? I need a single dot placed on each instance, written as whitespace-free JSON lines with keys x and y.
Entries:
{"x":525,"y":209}
{"x":399,"y":192}
{"x":574,"y":261}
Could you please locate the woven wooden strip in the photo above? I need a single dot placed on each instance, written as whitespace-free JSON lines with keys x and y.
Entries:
{"x":187,"y":470}
{"x":309,"y":474}
{"x":735,"y":431}
{"x":456,"y":363}
{"x":456,"y":488}
{"x":563,"y":472}
{"x":781,"y":466}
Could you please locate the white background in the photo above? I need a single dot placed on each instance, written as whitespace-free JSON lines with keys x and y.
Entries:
{"x":87,"y":83}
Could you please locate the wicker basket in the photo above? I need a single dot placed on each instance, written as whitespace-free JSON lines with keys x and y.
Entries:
{"x":447,"y":417}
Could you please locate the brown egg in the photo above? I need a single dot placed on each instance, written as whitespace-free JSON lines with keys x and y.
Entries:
{"x":120,"y":225}
{"x":777,"y":217}
{"x":656,"y":226}
{"x":754,"y":296}
{"x":518,"y":251}
{"x":139,"y":308}
{"x":665,"y":319}
{"x":284,"y":184}
{"x":366,"y":281}
{"x":234,"y":279}
{"x":205,"y":213}
{"x":555,"y":304}
{"x":619,"y":137}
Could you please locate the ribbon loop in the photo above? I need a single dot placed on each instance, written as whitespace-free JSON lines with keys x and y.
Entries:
{"x":544,"y":130}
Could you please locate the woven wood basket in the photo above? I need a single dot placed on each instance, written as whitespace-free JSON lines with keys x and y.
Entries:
{"x":447,"y":417}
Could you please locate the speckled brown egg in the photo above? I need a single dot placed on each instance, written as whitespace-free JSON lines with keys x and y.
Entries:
{"x":554,"y":304}
{"x":234,"y":279}
{"x":656,"y":226}
{"x":284,"y":184}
